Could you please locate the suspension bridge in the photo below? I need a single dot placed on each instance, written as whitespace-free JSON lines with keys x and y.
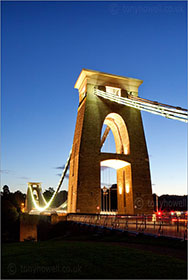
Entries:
{"x":111,"y":100}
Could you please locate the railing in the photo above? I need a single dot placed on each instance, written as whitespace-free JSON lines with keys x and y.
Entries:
{"x":144,"y":224}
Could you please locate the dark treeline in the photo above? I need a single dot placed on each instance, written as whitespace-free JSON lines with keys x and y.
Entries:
{"x":11,"y":205}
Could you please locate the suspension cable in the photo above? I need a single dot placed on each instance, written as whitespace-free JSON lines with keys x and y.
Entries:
{"x":153,"y":107}
{"x":54,"y":194}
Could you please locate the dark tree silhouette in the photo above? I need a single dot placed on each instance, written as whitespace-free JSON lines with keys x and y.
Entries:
{"x":11,"y":204}
{"x":48,"y":193}
{"x":6,"y":190}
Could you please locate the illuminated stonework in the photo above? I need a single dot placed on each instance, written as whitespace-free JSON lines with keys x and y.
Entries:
{"x":31,"y":203}
{"x":133,"y":176}
{"x":116,"y":123}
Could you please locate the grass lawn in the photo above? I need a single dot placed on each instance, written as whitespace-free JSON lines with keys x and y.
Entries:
{"x":79,"y":259}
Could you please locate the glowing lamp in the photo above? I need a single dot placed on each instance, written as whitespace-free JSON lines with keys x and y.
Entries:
{"x":126,"y":151}
{"x":120,"y":189}
{"x":114,"y":163}
{"x":127,"y":188}
{"x":178,"y":213}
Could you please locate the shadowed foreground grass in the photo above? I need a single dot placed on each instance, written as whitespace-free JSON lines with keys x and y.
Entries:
{"x":77,"y":259}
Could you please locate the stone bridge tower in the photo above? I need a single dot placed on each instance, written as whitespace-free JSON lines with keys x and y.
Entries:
{"x":34,"y":187}
{"x":134,"y":193}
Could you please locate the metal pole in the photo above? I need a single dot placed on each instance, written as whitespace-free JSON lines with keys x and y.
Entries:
{"x":103,"y":201}
{"x":106,"y":201}
{"x":109,"y":199}
{"x":177,"y":224}
{"x":157,"y":205}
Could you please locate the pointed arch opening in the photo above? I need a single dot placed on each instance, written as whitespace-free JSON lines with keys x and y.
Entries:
{"x":115,"y":181}
{"x":115,"y":124}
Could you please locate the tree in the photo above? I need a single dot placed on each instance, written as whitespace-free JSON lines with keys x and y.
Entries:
{"x":6,"y":190}
{"x":19,"y":200}
{"x":60,"y":198}
{"x":51,"y":190}
{"x":11,"y":205}
{"x":48,"y":193}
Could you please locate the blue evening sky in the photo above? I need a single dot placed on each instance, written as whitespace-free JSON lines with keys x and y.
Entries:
{"x":44,"y":47}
